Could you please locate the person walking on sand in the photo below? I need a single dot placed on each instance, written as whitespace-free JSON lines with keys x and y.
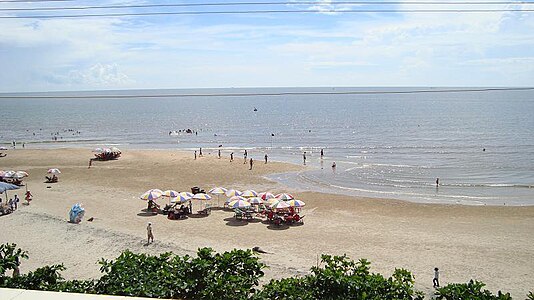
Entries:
{"x":28,"y":197}
{"x":266,"y":158}
{"x":195,"y":154}
{"x":435,"y":281}
{"x":231,"y":156}
{"x":149,"y":233}
{"x":90,"y":163}
{"x":219,"y":154}
{"x":16,"y":202}
{"x":304,"y":157}
{"x":245,"y":156}
{"x":251,"y":163}
{"x":200,"y":153}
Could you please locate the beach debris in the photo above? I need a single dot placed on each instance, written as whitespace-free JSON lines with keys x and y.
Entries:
{"x":259,"y":250}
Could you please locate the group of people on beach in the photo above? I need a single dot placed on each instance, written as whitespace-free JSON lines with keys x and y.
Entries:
{"x":13,"y":203}
{"x":251,"y":160}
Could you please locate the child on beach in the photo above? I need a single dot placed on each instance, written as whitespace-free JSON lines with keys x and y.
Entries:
{"x":28,"y":197}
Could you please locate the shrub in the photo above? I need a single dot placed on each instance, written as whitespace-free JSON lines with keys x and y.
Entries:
{"x":342,"y":278}
{"x":471,"y":290}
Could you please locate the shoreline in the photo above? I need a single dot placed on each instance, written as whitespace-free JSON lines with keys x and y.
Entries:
{"x":487,"y":243}
{"x":301,"y":182}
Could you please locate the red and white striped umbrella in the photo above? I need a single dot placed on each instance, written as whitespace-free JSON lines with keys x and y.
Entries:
{"x":266,"y":195}
{"x":279,"y":205}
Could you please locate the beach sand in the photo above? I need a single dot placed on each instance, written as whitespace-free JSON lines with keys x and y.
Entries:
{"x":490,"y":244}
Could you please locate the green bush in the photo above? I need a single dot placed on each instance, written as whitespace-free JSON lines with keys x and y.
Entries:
{"x":471,"y":290}
{"x":342,"y":278}
{"x":10,"y":258}
{"x":230,"y":275}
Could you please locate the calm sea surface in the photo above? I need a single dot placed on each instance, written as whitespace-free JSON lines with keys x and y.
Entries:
{"x":384,"y":145}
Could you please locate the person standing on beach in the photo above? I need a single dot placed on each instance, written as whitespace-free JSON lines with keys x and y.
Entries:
{"x":245,"y":156}
{"x":195,"y":154}
{"x":200,"y":153}
{"x":266,"y":158}
{"x":435,"y":281}
{"x":219,"y":154}
{"x":149,"y":233}
{"x":304,"y":157}
{"x":16,"y":202}
{"x":251,"y":162}
{"x":90,"y":163}
{"x":28,"y":197}
{"x":231,"y":156}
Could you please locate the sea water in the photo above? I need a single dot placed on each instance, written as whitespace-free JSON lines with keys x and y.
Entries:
{"x":479,"y":144}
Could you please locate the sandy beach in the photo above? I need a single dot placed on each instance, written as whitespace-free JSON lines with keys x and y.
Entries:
{"x":490,"y":244}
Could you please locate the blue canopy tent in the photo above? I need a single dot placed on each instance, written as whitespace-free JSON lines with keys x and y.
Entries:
{"x":4,"y":187}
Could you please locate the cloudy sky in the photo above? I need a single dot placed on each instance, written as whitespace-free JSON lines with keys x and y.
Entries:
{"x":264,"y":50}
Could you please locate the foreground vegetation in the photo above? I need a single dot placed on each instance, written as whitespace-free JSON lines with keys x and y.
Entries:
{"x":230,"y":275}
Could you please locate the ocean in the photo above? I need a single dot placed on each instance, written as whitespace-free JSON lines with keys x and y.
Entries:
{"x":479,"y":144}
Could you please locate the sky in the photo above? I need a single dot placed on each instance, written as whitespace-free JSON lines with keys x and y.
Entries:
{"x":318,"y":49}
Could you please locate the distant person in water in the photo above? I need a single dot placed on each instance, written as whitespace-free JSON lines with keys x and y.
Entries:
{"x":437,"y":182}
{"x":322,"y":153}
{"x":304,"y":157}
{"x":232,"y":156}
{"x":266,"y":158}
{"x":251,"y":163}
{"x":334,"y":166}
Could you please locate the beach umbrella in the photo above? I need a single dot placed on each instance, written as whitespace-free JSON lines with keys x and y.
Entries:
{"x":284,"y":196}
{"x":218,"y":191}
{"x":272,"y":200}
{"x":9,"y":174}
{"x":255,"y":200}
{"x":266,"y":196}
{"x":151,"y":194}
{"x":53,"y":171}
{"x":238,"y":204}
{"x":231,"y":193}
{"x":20,"y":174}
{"x":3,"y":148}
{"x":4,"y":187}
{"x":180,"y":199}
{"x":233,"y":199}
{"x":279,"y":205}
{"x":187,"y":194}
{"x":98,"y":150}
{"x":249,"y":193}
{"x":296,"y":203}
{"x":170,"y":194}
{"x":115,"y":150}
{"x":201,"y":196}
